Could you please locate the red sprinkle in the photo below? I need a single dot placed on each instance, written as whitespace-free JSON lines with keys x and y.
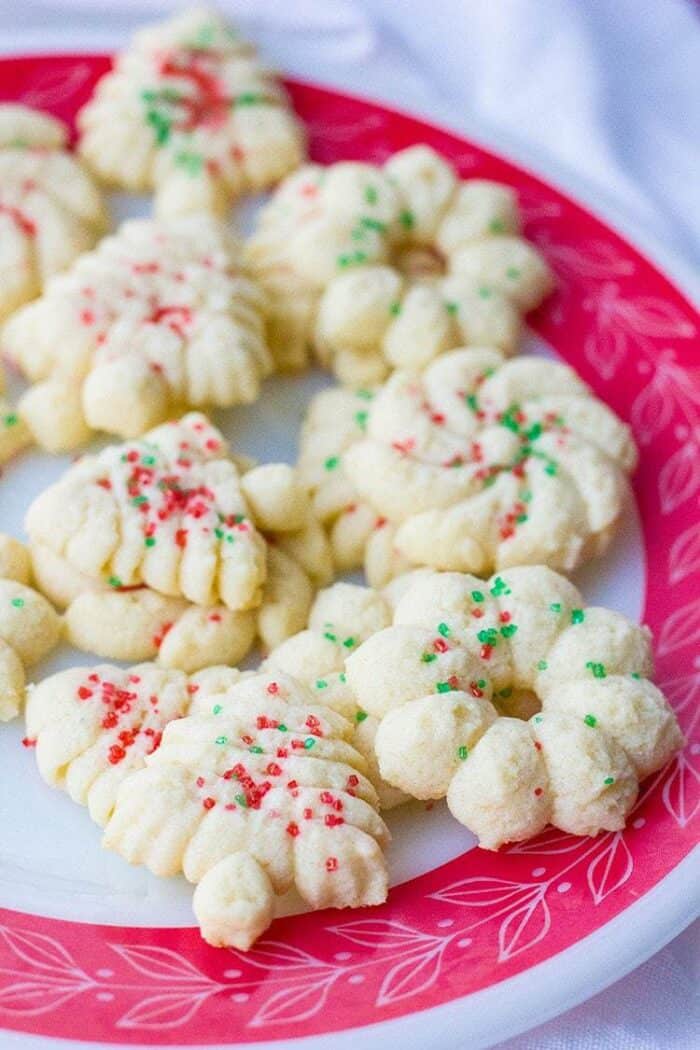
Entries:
{"x":332,"y":864}
{"x":209,"y":802}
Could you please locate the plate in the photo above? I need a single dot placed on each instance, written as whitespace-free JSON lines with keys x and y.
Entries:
{"x":469,"y":943}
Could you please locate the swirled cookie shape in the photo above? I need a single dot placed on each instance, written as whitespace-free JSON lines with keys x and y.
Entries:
{"x":243,"y":782}
{"x":139,"y":623}
{"x":385,"y":267}
{"x":29,"y":626}
{"x":159,"y":318}
{"x":475,"y":464}
{"x":190,"y":112}
{"x":50,"y":209}
{"x":167,"y":511}
{"x":459,"y":646}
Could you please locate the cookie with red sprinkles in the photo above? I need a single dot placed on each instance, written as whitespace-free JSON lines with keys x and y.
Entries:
{"x":161,"y":316}
{"x":191,"y":112}
{"x":458,"y":648}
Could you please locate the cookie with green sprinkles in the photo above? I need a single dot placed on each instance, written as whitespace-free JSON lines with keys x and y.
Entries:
{"x":191,"y":112}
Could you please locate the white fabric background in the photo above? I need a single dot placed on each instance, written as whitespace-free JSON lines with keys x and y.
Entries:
{"x":607,"y":90}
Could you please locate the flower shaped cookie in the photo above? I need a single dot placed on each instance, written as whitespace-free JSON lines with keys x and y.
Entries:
{"x":390,"y":266}
{"x":157,"y":318}
{"x":475,"y":464}
{"x":138,"y":623}
{"x":50,"y":210}
{"x":29,"y":626}
{"x":460,"y":645}
{"x":190,"y":112}
{"x":168,"y":511}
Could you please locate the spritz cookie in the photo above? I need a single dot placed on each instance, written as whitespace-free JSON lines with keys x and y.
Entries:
{"x":29,"y":626}
{"x":386,"y":267}
{"x":457,"y":652}
{"x":475,"y":464}
{"x":160,"y":317}
{"x":50,"y":209}
{"x":191,"y":112}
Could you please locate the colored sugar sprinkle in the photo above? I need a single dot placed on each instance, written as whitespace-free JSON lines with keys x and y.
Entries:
{"x":505,"y":693}
{"x":221,"y":740}
{"x":481,"y":683}
{"x":407,"y":220}
{"x":17,"y":602}
{"x":332,"y":462}
{"x":597,"y":670}
{"x":366,"y":395}
{"x":360,"y":716}
{"x":534,"y":432}
{"x":591,"y":720}
{"x":282,"y":727}
{"x":451,"y":308}
{"x":444,"y":687}
{"x":542,"y":665}
{"x":444,"y":630}
{"x":309,"y":743}
{"x":538,"y":718}
{"x":497,"y":226}
{"x":634,"y":675}
{"x":216,"y":709}
{"x":555,"y":607}
{"x":500,"y":587}
{"x":428,"y":658}
{"x":373,"y":224}
{"x":477,"y":596}
{"x":371,"y":195}
{"x":351,"y":258}
{"x":114,"y":581}
{"x":488,"y":636}
{"x":395,"y":309}
{"x":551,"y":468}
{"x":485,"y":293}
{"x":472,"y":402}
{"x":349,"y":643}
{"x":12,"y":420}
{"x":150,"y":541}
{"x":509,"y":629}
{"x":361,"y":419}
{"x":248,"y":98}
{"x":330,"y":636}
{"x":513,"y":273}
{"x":609,"y":780}
{"x":255,"y":750}
{"x":577,"y":616}
{"x":462,"y":753}
{"x":242,"y":801}
{"x":321,"y":683}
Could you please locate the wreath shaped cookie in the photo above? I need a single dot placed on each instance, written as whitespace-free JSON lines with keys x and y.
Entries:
{"x":158,"y":318}
{"x":50,"y":210}
{"x":458,"y":646}
{"x":256,"y":791}
{"x":475,"y":464}
{"x":138,"y":623}
{"x":190,"y":112}
{"x":29,"y":626}
{"x":390,"y":266}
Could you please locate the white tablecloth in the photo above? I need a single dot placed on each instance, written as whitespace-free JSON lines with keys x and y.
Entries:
{"x":604,"y":90}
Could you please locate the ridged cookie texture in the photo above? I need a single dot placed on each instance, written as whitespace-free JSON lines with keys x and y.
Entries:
{"x":29,"y":626}
{"x":191,"y":112}
{"x":139,"y":623}
{"x":461,"y":650}
{"x":243,"y":782}
{"x":50,"y":209}
{"x":474,"y":464}
{"x":388,"y":266}
{"x":160,"y":317}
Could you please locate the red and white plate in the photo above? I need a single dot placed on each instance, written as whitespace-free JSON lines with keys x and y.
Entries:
{"x":469,"y":944}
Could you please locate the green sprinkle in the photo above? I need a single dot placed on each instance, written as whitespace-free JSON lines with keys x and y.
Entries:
{"x":361,"y":419}
{"x":444,"y":630}
{"x":526,"y":496}
{"x":505,"y":693}
{"x":191,"y":162}
{"x":542,"y":665}
{"x":520,"y":519}
{"x":508,"y":419}
{"x":248,"y":98}
{"x":597,"y":670}
{"x":148,"y":461}
{"x":497,"y":226}
{"x":321,"y":683}
{"x":609,"y":780}
{"x":428,"y":658}
{"x":360,"y":716}
{"x":332,"y":462}
{"x":216,"y":709}
{"x":634,"y":675}
{"x":500,"y":587}
{"x":512,"y":273}
{"x":219,"y":533}
{"x":488,"y":636}
{"x":451,"y":308}
{"x":509,"y":629}
{"x":395,"y":309}
{"x":349,"y":643}
{"x":577,"y":615}
{"x":255,"y":750}
{"x":443,"y":687}
{"x":371,"y":195}
{"x":462,"y":753}
{"x":373,"y":224}
{"x":591,"y":721}
{"x":150,"y":541}
{"x":481,"y":683}
{"x":555,"y":607}
{"x":342,"y":677}
{"x":551,"y":468}
{"x":477,"y":596}
{"x":282,"y":728}
{"x":11,"y":420}
{"x":537,"y":718}
{"x":309,"y":743}
{"x":366,"y":395}
{"x":17,"y":602}
{"x":221,"y":740}
{"x":138,"y":500}
{"x":534,"y":432}
{"x":242,"y":801}
{"x":407,"y":220}
{"x":485,"y":293}
{"x":330,"y":636}
{"x":114,"y":581}
{"x":472,"y":402}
